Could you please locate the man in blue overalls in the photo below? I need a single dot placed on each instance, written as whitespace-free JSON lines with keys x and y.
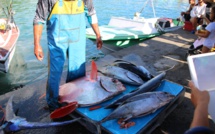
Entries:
{"x":66,"y":26}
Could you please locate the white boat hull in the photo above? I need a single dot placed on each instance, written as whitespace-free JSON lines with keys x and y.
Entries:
{"x":4,"y":66}
{"x":8,"y":39}
{"x":123,"y":29}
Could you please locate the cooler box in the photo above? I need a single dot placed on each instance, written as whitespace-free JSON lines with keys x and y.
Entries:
{"x":188,"y":26}
{"x":144,"y":124}
{"x":165,"y":22}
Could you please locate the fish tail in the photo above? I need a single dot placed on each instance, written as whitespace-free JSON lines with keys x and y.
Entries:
{"x":94,"y":71}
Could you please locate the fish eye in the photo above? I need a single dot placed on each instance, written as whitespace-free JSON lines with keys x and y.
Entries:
{"x":166,"y":93}
{"x":114,"y":80}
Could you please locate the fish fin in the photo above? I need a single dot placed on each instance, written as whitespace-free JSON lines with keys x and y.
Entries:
{"x":34,"y":125}
{"x":144,"y":114}
{"x":9,"y":110}
{"x":63,"y":111}
{"x":94,"y":71}
{"x":128,"y":117}
{"x":123,"y":61}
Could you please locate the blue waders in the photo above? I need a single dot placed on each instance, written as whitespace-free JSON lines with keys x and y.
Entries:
{"x":66,"y":34}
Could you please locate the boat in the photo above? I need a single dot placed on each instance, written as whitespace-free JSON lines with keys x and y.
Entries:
{"x":121,"y":28}
{"x":9,"y":33}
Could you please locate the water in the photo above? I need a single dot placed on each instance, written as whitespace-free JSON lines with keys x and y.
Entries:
{"x":25,"y":68}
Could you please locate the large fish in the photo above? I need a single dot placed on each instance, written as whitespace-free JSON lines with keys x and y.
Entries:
{"x":140,"y":105}
{"x":121,"y":74}
{"x":15,"y":123}
{"x":148,"y":86}
{"x":141,"y":71}
{"x":90,"y":90}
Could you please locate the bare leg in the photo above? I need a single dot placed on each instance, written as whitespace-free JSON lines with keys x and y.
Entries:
{"x":194,"y":22}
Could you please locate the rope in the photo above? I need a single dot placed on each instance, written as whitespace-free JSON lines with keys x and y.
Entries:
{"x":167,"y":69}
{"x":153,"y":8}
{"x":3,"y":9}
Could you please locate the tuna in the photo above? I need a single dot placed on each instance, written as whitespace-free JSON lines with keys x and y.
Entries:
{"x":122,"y":75}
{"x":148,"y":86}
{"x":141,"y":71}
{"x":140,"y":105}
{"x":91,"y":89}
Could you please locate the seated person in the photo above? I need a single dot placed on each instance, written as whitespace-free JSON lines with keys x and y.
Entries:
{"x":209,"y":32}
{"x":186,"y":14}
{"x":198,"y":10}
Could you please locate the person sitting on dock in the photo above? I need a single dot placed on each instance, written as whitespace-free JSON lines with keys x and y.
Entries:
{"x":196,"y":12}
{"x":186,"y":14}
{"x":200,"y":122}
{"x":66,"y":35}
{"x":208,"y":33}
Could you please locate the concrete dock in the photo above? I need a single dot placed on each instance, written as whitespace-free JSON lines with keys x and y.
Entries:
{"x":163,"y":53}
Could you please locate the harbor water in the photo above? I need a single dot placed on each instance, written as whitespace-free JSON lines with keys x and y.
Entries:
{"x":25,"y":68}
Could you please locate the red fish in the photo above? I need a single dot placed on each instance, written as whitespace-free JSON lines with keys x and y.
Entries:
{"x":91,"y":89}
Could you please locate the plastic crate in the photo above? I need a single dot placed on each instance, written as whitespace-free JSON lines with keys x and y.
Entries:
{"x":188,"y":26}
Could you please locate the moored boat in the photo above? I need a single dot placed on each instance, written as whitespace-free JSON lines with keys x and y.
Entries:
{"x":121,"y":31}
{"x":9,"y":34}
{"x":139,"y":28}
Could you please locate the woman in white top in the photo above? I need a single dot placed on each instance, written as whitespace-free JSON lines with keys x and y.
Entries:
{"x":209,"y":33}
{"x":196,"y":13}
{"x":186,"y":14}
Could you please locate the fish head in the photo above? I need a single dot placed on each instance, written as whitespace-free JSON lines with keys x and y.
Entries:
{"x":111,"y":85}
{"x":106,"y":70}
{"x":165,"y":97}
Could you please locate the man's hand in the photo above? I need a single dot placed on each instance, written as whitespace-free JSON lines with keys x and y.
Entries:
{"x":99,"y":42}
{"x":38,"y":51}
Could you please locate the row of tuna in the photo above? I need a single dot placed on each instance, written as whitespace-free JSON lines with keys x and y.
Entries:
{"x":96,"y":88}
